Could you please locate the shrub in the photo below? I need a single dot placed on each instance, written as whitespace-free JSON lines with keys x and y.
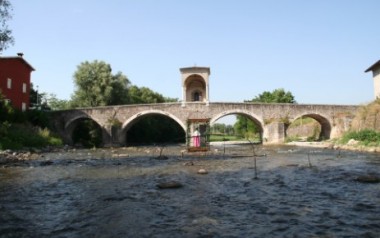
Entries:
{"x":24,"y":135}
{"x":366,"y":137}
{"x":38,"y":118}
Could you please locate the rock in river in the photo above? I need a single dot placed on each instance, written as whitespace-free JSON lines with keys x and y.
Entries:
{"x":202,"y":171}
{"x":368,"y":179}
{"x":170,"y":184}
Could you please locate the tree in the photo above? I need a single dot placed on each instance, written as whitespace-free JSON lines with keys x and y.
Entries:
{"x":57,"y":104}
{"x":247,"y":128}
{"x":276,"y":96}
{"x":144,"y":95}
{"x":5,"y":109}
{"x":244,"y":127}
{"x":156,"y":129}
{"x":34,"y":97}
{"x":96,"y":86}
{"x":38,"y":100}
{"x":6,"y":37}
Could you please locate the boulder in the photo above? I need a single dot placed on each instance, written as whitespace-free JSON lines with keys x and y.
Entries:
{"x":169,"y":184}
{"x":202,"y":171}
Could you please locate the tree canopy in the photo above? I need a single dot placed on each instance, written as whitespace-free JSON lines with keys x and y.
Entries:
{"x":6,"y":37}
{"x":97,"y":86}
{"x":276,"y":96}
{"x":247,"y":128}
{"x":144,"y":95}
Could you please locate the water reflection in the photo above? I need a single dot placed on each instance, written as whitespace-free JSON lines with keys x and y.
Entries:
{"x":300,"y":193}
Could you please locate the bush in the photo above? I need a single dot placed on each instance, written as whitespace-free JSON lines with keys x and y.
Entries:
{"x":24,"y":135}
{"x":23,"y":129}
{"x":366,"y":137}
{"x":6,"y":143}
{"x":38,"y":118}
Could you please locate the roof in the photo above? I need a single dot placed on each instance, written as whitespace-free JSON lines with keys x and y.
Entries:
{"x":195,"y":68}
{"x":18,"y":58}
{"x":373,"y":67}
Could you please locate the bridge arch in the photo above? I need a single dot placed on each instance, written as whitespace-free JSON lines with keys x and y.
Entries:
{"x":74,"y":122}
{"x":326,"y":125}
{"x":135,"y":118}
{"x":256,"y":119}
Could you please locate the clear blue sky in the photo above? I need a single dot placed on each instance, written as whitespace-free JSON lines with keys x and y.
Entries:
{"x":316,"y":49}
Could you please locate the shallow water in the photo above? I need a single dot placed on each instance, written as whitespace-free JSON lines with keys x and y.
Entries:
{"x":299,"y":192}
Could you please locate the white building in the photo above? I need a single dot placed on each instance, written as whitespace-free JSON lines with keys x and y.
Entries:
{"x":375,"y":68}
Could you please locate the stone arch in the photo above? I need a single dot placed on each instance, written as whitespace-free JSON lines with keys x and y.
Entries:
{"x":133,"y":119}
{"x":195,"y":86}
{"x":256,"y":119}
{"x":325,"y":123}
{"x":73,"y":122}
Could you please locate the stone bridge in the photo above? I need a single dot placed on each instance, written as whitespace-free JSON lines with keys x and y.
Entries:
{"x":272,"y":119}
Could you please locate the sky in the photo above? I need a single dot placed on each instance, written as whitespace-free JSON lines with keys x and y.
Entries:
{"x":317,"y":49}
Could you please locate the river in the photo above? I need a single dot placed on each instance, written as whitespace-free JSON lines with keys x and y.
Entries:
{"x":296,"y":192}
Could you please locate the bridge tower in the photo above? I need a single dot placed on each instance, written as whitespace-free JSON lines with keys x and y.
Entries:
{"x":195,"y":84}
{"x":375,"y":68}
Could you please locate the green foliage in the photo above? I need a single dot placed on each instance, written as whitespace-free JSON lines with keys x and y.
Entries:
{"x":38,"y":118}
{"x":97,"y":86}
{"x":225,"y":138}
{"x":6,"y":37}
{"x":156,"y":129}
{"x":38,"y":100}
{"x":4,"y":127}
{"x":88,"y":134}
{"x":6,"y":111}
{"x":366,"y":137}
{"x":57,"y":104}
{"x":221,"y":128}
{"x":24,"y":135}
{"x":169,"y":99}
{"x":23,"y":129}
{"x":245,"y":127}
{"x":33,"y":96}
{"x":276,"y":96}
{"x":144,"y":95}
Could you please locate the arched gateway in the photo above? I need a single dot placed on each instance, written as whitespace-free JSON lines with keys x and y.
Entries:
{"x":272,"y":119}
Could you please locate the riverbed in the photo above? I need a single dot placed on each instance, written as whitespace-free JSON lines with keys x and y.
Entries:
{"x":291,"y":192}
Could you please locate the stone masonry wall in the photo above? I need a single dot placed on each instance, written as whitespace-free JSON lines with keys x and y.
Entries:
{"x":263,"y":114}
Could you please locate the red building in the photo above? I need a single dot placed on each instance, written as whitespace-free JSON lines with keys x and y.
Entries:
{"x":15,"y":80}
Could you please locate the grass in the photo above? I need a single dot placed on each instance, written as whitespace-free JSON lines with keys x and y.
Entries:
{"x":214,"y":138}
{"x":19,"y":136}
{"x":365,"y":137}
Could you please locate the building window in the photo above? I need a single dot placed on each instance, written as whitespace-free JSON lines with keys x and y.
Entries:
{"x":9,"y":83}
{"x":24,"y":87}
{"x":23,"y":106}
